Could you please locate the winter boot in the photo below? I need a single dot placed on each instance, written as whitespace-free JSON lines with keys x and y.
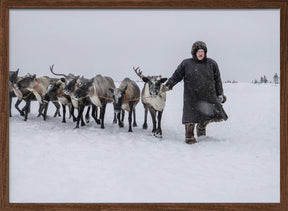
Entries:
{"x":201,"y":128}
{"x":189,"y":133}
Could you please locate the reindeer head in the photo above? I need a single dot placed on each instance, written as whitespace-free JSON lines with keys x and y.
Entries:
{"x":83,"y":88}
{"x":52,"y":90}
{"x":118,"y":97}
{"x":154,"y":82}
{"x":70,"y":83}
{"x":69,"y":80}
{"x":13,"y":76}
{"x":26,"y":82}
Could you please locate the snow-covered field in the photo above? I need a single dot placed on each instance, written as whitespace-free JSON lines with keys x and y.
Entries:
{"x":238,"y":160}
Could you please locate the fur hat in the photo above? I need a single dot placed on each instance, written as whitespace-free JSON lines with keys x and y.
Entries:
{"x":196,"y":46}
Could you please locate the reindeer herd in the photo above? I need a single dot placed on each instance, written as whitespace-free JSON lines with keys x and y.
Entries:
{"x":75,"y":92}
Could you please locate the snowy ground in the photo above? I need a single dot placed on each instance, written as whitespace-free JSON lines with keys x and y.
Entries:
{"x":238,"y":161}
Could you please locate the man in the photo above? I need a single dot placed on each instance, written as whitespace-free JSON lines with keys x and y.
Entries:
{"x":203,"y":92}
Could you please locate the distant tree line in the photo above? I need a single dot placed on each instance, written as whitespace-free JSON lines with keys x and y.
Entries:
{"x":263,"y":79}
{"x":233,"y":82}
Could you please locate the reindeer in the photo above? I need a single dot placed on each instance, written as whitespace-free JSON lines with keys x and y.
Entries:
{"x":21,"y":94}
{"x":126,"y":97}
{"x":55,"y":92}
{"x":38,"y":87}
{"x":13,"y":77}
{"x":70,"y":82}
{"x":97,"y":89}
{"x":153,"y":99}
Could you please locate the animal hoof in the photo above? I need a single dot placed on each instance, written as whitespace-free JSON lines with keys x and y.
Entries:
{"x":158,"y":135}
{"x":121,"y":124}
{"x":134,"y":124}
{"x":191,"y":140}
{"x":98,"y":122}
{"x":145,"y":126}
{"x":130,"y":130}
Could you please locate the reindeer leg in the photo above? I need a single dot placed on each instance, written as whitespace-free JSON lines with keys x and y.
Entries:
{"x":77,"y":121}
{"x":17,"y":107}
{"x":10,"y":104}
{"x":130,"y":118}
{"x":87,"y":116}
{"x":71,"y":110}
{"x":55,"y":114}
{"x":57,"y":105}
{"x":123,"y":115}
{"x":94,"y":114}
{"x":120,"y":123}
{"x":115,"y":118}
{"x":58,"y":110}
{"x":158,"y":133}
{"x":82,"y":120}
{"x":72,"y":113}
{"x":153,"y":115}
{"x":80,"y":116}
{"x":134,"y":120}
{"x":26,"y":109}
{"x":145,"y":126}
{"x":45,"y":106}
{"x":25,"y":115}
{"x":102,"y":114}
{"x":64,"y":113}
{"x":40,"y":109}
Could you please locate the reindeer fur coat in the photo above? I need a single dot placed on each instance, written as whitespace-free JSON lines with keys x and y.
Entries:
{"x":202,"y":86}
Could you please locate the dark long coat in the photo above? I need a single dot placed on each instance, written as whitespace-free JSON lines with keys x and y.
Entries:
{"x":202,"y":86}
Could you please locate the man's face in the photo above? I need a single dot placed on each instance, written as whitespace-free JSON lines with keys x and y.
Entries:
{"x":200,"y":54}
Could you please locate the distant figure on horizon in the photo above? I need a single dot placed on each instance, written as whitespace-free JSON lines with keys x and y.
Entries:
{"x":203,"y":91}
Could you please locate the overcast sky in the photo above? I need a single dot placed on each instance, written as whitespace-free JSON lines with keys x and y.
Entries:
{"x":244,"y":43}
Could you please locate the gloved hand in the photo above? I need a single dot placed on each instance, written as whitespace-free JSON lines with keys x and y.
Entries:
{"x":222,"y":98}
{"x":165,"y":88}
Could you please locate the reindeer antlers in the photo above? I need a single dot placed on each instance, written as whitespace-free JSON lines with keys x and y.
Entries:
{"x":138,"y":72}
{"x":51,"y":69}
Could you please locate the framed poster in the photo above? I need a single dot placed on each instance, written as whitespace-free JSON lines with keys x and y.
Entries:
{"x":49,"y":165}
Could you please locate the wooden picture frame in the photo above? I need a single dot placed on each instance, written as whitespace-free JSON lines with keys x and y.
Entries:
{"x":147,"y":4}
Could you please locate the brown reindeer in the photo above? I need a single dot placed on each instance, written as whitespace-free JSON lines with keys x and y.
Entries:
{"x":38,"y":87}
{"x":126,"y":97}
{"x":97,"y":89}
{"x":55,"y":92}
{"x":71,"y":82}
{"x":21,"y":95}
